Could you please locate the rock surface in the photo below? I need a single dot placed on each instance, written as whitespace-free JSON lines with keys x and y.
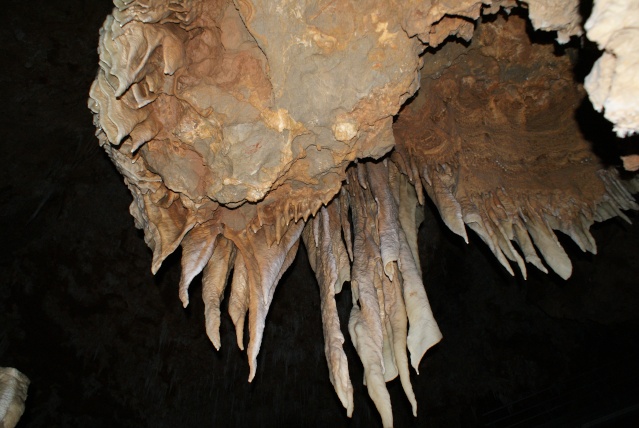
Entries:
{"x":493,"y":139}
{"x":244,"y":127}
{"x":13,"y":394}
{"x":612,"y":84}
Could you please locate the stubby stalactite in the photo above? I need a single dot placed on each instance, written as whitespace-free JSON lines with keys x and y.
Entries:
{"x":239,"y":140}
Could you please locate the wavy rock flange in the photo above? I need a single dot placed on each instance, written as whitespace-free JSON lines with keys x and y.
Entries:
{"x":244,"y":127}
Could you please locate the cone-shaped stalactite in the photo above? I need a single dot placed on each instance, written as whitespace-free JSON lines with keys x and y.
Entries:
{"x":329,"y":260}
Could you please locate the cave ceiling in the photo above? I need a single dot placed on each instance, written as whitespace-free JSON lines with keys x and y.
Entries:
{"x":244,"y":129}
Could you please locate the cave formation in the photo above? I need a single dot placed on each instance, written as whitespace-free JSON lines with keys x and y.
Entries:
{"x":458,"y":117}
{"x":243,"y":129}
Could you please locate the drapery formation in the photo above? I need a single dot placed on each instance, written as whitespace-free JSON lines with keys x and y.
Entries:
{"x":242,"y":128}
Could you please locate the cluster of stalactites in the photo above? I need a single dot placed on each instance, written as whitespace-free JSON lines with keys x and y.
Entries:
{"x":494,"y":142}
{"x":501,"y":217}
{"x":366,"y":235}
{"x":182,"y":82}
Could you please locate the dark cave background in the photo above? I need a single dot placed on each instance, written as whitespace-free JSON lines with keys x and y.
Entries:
{"x":107,"y":344}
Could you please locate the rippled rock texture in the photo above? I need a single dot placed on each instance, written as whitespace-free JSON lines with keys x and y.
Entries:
{"x":244,"y":128}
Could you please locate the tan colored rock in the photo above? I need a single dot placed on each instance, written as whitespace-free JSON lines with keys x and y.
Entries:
{"x":13,"y":394}
{"x":242,"y":127}
{"x":328,"y":258}
{"x":631,"y":162}
{"x":560,"y":16}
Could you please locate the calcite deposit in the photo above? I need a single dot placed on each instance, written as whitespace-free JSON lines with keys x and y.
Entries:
{"x":242,"y":128}
{"x":612,"y":84}
{"x":498,"y":150}
{"x":13,"y":393}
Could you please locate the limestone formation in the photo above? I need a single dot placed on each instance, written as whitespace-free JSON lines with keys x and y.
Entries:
{"x":612,"y":84}
{"x":13,"y":394}
{"x":244,"y":127}
{"x":497,"y":148}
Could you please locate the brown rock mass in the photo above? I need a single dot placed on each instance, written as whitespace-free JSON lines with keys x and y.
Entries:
{"x":492,"y":136}
{"x":244,"y":127}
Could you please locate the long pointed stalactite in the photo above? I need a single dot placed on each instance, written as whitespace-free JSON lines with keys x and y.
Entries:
{"x":237,"y":154}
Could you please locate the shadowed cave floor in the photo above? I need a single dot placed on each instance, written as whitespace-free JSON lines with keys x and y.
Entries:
{"x":107,"y":344}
